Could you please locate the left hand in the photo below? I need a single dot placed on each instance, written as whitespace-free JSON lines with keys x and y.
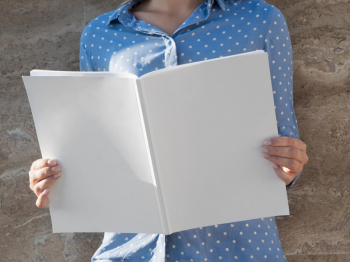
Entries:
{"x":288,"y":156}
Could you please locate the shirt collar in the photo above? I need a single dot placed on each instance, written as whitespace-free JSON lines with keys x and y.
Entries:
{"x":124,"y":9}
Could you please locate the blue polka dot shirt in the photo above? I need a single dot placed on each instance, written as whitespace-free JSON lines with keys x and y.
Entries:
{"x":118,"y":42}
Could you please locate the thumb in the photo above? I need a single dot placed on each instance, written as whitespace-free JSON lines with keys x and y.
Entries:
{"x":284,"y":176}
{"x":43,"y":199}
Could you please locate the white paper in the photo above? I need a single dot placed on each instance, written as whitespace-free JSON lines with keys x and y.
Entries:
{"x":38,"y":72}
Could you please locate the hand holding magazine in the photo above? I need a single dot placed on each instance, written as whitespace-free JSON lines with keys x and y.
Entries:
{"x":169,"y":151}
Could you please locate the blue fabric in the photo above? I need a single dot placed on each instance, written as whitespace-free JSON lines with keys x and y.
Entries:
{"x":118,"y":42}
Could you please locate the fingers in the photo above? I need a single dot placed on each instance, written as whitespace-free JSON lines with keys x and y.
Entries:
{"x":38,"y":175}
{"x":285,"y":177}
{"x":43,"y":200}
{"x":286,"y":142}
{"x":42,"y":169}
{"x":293,"y":165}
{"x":44,"y":162}
{"x":286,"y":152}
{"x":43,"y":173}
{"x":40,"y":187}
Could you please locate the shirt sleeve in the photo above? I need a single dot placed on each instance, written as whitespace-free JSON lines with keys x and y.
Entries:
{"x":279,"y":48}
{"x":84,"y":58}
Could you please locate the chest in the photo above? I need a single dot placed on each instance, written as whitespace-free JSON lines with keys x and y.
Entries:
{"x":124,"y":49}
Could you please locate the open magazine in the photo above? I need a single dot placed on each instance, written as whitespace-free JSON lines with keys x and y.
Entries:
{"x":175,"y":149}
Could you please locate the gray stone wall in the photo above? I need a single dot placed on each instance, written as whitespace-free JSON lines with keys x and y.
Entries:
{"x":45,"y":34}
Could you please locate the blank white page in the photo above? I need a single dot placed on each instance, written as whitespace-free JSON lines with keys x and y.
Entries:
{"x":207,"y":124}
{"x":38,"y":72}
{"x":92,"y":126}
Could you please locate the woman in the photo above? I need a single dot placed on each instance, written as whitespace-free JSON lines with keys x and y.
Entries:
{"x":142,"y":36}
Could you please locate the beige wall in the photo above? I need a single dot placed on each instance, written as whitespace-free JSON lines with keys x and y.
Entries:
{"x":45,"y":34}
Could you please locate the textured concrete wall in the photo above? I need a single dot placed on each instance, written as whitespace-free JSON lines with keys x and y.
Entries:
{"x":45,"y":34}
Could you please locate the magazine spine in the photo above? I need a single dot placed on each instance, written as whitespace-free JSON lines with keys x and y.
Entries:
{"x":141,"y":101}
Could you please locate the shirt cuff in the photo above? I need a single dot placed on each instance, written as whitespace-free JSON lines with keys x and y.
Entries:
{"x":292,"y":183}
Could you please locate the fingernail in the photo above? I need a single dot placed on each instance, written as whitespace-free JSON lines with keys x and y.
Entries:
{"x":57,"y":175}
{"x":267,"y":142}
{"x":275,"y":166}
{"x":264,"y":150}
{"x":46,"y":191}
{"x":266,"y":156}
{"x":55,"y":168}
{"x":51,"y":162}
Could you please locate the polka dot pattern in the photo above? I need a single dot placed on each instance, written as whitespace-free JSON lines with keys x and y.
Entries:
{"x":117,"y":42}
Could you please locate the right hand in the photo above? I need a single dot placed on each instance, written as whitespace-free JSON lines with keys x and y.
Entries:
{"x":43,"y":173}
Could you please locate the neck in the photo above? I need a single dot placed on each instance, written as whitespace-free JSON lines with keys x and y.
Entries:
{"x":173,"y":6}
{"x":167,"y":15}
